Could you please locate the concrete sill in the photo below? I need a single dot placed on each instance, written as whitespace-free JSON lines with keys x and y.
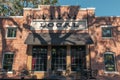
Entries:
{"x":115,"y":72}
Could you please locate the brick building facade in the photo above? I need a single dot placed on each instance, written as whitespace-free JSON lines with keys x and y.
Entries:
{"x":67,"y":37}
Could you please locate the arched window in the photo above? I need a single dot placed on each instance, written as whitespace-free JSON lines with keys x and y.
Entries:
{"x":109,"y":60}
{"x":8,"y":58}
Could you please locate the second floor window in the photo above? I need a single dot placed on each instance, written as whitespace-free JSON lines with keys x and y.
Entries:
{"x":11,"y":32}
{"x":106,"y":32}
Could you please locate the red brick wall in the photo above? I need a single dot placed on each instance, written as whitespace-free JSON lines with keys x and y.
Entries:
{"x":96,"y":50}
{"x":16,"y":45}
{"x":102,"y":45}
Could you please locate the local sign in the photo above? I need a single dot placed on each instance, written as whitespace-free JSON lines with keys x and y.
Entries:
{"x":58,"y":25}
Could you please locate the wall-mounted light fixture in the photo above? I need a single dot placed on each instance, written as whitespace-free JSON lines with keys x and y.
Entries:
{"x":31,"y":16}
{"x":59,"y":16}
{"x":74,"y":17}
{"x":51,"y":17}
{"x":69,"y":17}
{"x":28,"y":16}
{"x":43,"y":17}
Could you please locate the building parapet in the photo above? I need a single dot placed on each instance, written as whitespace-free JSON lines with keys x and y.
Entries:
{"x":107,"y":16}
{"x":90,"y":8}
{"x":31,"y":9}
{"x":11,"y":16}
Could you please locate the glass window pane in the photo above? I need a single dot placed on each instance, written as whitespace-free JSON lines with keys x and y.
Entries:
{"x":78,"y":59}
{"x":8,"y":61}
{"x":109,"y":61}
{"x":58,"y":57}
{"x":39,"y":58}
{"x":106,"y":31}
{"x":11,"y":32}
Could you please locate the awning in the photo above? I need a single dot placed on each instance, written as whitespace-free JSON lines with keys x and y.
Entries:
{"x":58,"y":39}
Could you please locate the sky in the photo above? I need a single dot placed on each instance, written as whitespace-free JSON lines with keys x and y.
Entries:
{"x":102,"y":7}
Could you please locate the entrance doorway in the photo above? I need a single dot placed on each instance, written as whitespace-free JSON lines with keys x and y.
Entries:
{"x":78,"y":57}
{"x":58,"y":55}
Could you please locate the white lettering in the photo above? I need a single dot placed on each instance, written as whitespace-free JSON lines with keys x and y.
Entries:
{"x":56,"y":25}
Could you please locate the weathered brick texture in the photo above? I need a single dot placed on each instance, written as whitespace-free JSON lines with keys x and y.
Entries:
{"x":94,"y":29}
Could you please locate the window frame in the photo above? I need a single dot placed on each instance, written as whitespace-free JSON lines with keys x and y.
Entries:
{"x":36,"y":62}
{"x":85,"y":51}
{"x":10,"y":27}
{"x":108,"y":52}
{"x":107,"y":26}
{"x":63,"y":57}
{"x":4,"y":58}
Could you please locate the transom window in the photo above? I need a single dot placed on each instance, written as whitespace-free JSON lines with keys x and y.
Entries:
{"x":78,"y":59}
{"x":8,"y":61}
{"x":58,"y":57}
{"x":109,"y":61}
{"x":107,"y":32}
{"x":11,"y":32}
{"x":39,"y":58}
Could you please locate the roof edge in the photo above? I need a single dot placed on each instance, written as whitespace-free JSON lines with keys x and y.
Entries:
{"x":11,"y":16}
{"x":107,"y":16}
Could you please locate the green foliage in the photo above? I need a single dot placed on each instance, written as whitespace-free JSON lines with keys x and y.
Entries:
{"x":46,"y":2}
{"x":54,"y":2}
{"x":15,"y":7}
{"x":4,"y":9}
{"x":49,"y":2}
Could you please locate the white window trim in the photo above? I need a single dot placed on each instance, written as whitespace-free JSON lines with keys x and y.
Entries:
{"x":3,"y":59}
{"x":106,"y":26}
{"x":111,"y":31}
{"x":7,"y":32}
{"x":116,"y":72}
{"x":60,"y":57}
{"x":112,"y":72}
{"x":46,"y":64}
{"x":11,"y":26}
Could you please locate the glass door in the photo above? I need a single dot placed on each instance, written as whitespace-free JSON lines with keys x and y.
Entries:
{"x":78,"y":58}
{"x":58,"y":57}
{"x":39,"y":58}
